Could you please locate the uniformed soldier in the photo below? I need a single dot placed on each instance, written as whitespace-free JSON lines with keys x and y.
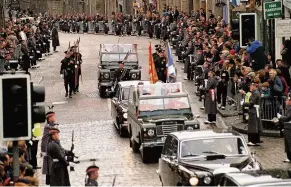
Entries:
{"x":59,"y":168}
{"x":78,"y":60}
{"x":121,"y":73}
{"x":67,"y":73}
{"x":51,"y":123}
{"x":156,"y":53}
{"x":92,"y":173}
{"x":161,"y":67}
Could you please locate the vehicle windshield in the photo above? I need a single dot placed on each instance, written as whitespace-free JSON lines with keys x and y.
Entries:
{"x":202,"y":147}
{"x":121,"y":48}
{"x":125,"y":94}
{"x":118,"y":57}
{"x":175,"y":105}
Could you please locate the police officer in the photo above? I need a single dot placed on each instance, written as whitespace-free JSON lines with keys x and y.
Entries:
{"x":121,"y":73}
{"x":223,"y":78}
{"x":161,"y":67}
{"x":59,"y":172}
{"x":92,"y":173}
{"x":67,"y":73}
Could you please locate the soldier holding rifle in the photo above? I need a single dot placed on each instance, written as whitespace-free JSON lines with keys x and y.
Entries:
{"x":67,"y":73}
{"x":59,"y":173}
{"x":78,"y":62}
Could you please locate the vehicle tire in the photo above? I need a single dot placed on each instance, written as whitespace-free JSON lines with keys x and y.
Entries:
{"x":102,"y":92}
{"x":134,"y":145}
{"x":145,"y":155}
{"x":129,"y":134}
{"x":121,"y":131}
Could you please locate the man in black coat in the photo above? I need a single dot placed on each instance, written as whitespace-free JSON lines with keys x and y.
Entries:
{"x":55,"y":38}
{"x":121,"y":73}
{"x":285,"y":121}
{"x":67,"y":73}
{"x":51,"y":123}
{"x":59,"y":172}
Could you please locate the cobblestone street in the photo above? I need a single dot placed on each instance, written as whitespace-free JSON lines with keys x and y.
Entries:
{"x":89,"y":116}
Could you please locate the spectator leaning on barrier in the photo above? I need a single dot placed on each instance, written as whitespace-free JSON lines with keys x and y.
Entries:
{"x":284,"y":71}
{"x":275,"y":82}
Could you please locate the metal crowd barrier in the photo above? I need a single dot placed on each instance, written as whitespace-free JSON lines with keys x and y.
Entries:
{"x":270,"y":106}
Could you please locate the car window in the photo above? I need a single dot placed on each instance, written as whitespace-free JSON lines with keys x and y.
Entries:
{"x":228,"y":182}
{"x":167,"y":146}
{"x":131,"y":93}
{"x":117,"y":91}
{"x":227,"y":146}
{"x":125,"y":94}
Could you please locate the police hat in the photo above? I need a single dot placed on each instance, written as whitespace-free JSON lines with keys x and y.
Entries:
{"x":54,"y":130}
{"x":49,"y":114}
{"x":92,"y":169}
{"x":120,"y":62}
{"x":158,"y":46}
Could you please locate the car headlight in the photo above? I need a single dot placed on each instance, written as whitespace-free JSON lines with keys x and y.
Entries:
{"x":151,"y":132}
{"x":193,"y":181}
{"x":106,"y":75}
{"x":207,"y":180}
{"x":125,"y":115}
{"x":133,"y":76}
{"x":190,"y":128}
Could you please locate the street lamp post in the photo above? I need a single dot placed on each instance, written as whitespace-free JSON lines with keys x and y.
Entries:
{"x":264,"y":25}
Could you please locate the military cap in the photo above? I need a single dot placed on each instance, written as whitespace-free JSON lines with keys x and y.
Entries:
{"x":159,"y":50}
{"x":120,"y":62}
{"x":49,"y":114}
{"x":54,"y":130}
{"x":92,"y":169}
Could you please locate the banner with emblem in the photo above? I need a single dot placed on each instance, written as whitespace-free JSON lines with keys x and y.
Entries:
{"x":152,"y":69}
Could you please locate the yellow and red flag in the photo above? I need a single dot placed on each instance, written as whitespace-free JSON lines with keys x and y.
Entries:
{"x":152,"y":69}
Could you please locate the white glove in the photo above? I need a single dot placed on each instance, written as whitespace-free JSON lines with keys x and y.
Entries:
{"x":241,"y":102}
{"x":200,"y":86}
{"x":62,"y":76}
{"x":278,"y":115}
{"x":30,"y":142}
{"x":71,"y":164}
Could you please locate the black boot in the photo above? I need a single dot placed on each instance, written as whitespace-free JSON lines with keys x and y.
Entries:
{"x":66,"y":94}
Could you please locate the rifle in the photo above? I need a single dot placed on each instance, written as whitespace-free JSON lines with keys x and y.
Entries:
{"x":79,"y":57}
{"x":70,"y":154}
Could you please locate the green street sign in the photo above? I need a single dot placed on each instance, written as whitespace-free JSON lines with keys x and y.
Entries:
{"x":273,"y":9}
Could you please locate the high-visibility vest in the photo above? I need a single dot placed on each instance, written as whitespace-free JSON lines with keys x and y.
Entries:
{"x":247,"y":97}
{"x":37,"y":131}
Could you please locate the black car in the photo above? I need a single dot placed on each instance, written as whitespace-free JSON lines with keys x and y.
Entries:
{"x":119,"y":105}
{"x":252,"y":179}
{"x":110,"y":55}
{"x":200,"y":158}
